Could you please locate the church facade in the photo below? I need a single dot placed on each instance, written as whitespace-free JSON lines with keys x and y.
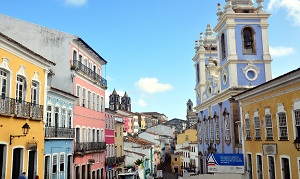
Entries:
{"x":233,"y":59}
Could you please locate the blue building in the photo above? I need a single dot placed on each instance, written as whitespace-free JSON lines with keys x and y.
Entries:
{"x":59,"y":134}
{"x":233,"y":59}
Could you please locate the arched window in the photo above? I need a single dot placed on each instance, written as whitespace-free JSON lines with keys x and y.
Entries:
{"x":223,"y":46}
{"x":20,"y":89}
{"x":198,"y":78}
{"x":248,"y":40}
{"x":4,"y":82}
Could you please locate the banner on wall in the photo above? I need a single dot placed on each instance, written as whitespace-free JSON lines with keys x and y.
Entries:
{"x":226,"y":163}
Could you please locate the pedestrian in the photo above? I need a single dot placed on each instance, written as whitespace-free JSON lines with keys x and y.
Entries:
{"x":22,"y":176}
{"x":37,"y":177}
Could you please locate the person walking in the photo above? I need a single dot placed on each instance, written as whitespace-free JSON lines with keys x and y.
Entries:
{"x":22,"y":176}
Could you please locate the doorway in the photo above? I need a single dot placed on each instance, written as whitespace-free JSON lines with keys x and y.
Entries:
{"x":32,"y":163}
{"x":2,"y":160}
{"x":17,"y":165}
{"x":286,"y":168}
{"x":47,"y":167}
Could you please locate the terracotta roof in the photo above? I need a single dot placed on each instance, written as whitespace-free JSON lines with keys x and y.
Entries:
{"x":135,"y":153}
{"x":138,"y":141}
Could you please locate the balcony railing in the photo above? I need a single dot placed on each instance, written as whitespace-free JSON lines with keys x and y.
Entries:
{"x":111,"y":160}
{"x":120,"y":159}
{"x":22,"y":109}
{"x":89,"y":147}
{"x":89,"y":72}
{"x":59,"y":132}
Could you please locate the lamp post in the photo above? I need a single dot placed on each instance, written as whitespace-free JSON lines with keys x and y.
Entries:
{"x":297,"y":143}
{"x":25,"y":130}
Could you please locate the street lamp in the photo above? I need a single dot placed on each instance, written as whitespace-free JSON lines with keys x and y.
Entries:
{"x":25,"y":130}
{"x":297,"y":143}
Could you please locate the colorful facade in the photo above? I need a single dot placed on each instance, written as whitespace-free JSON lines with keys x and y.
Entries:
{"x":235,"y":59}
{"x":189,"y":135}
{"x":271,"y":125}
{"x":110,"y":143}
{"x":176,"y":162}
{"x":23,"y":76}
{"x":119,"y":148}
{"x":59,"y":134}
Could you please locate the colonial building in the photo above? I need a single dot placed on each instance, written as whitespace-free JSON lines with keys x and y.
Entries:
{"x":270,"y":116}
{"x":191,"y":115}
{"x":59,"y":134}
{"x":23,"y":77}
{"x":110,"y":143}
{"x":119,"y":148}
{"x":226,"y":63}
{"x":79,"y":72}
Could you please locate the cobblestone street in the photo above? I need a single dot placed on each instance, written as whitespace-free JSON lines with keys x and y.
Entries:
{"x":167,"y":173}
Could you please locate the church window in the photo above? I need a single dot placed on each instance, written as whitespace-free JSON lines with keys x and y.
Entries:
{"x":200,"y":132}
{"x":223,"y":51}
{"x":211,"y":128}
{"x":227,"y":127}
{"x":198,"y":74}
{"x":248,"y":40}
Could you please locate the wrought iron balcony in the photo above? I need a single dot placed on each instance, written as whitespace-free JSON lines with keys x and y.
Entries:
{"x":78,"y":66}
{"x":111,"y":160}
{"x":59,"y":132}
{"x":121,"y":159}
{"x":22,"y":109}
{"x":89,"y":147}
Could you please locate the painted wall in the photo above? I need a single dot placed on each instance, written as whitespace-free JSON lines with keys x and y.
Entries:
{"x":289,"y":96}
{"x":191,"y":136}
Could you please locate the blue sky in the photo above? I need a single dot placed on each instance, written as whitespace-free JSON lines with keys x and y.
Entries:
{"x":149,"y":44}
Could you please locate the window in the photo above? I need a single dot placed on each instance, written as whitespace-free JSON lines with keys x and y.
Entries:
{"x":102,"y":104}
{"x":35,"y":92}
{"x":247,"y":128}
{"x":3,"y":83}
{"x":62,"y":163}
{"x":74,"y":55}
{"x":56,"y":116}
{"x":120,"y":131}
{"x":198,"y":74}
{"x":217,"y":128}
{"x":98,"y":101}
{"x":54,"y":164}
{"x":297,"y":122}
{"x":227,"y":127}
{"x":78,"y":95}
{"x":83,"y":97}
{"x":283,"y":134}
{"x":80,"y":58}
{"x":269,"y":127}
{"x":63,"y":117}
{"x":249,"y":165}
{"x":271,"y":164}
{"x":259,"y":167}
{"x":248,"y":40}
{"x":107,"y":121}
{"x":211,"y":129}
{"x":257,"y":128}
{"x":223,"y":46}
{"x":206,"y":131}
{"x":70,"y":119}
{"x":20,"y":89}
{"x":107,"y":149}
{"x":89,"y":100}
{"x":94,"y":101}
{"x":49,"y":116}
{"x":83,"y":135}
{"x":98,"y":136}
{"x":89,"y":135}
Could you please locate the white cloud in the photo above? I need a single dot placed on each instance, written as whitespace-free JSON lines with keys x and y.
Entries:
{"x":281,"y":51}
{"x":142,"y":103}
{"x":76,"y":2}
{"x":291,"y":6}
{"x":151,"y":85}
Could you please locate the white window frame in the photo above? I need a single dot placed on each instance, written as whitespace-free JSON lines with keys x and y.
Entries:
{"x":50,"y":114}
{"x":93,"y":101}
{"x":83,"y":134}
{"x":262,"y":165}
{"x":62,"y":160}
{"x":22,"y":83}
{"x":53,"y":163}
{"x":89,"y":134}
{"x":102,"y":104}
{"x":83,"y":97}
{"x":298,"y":165}
{"x":4,"y":66}
{"x":70,"y":118}
{"x":227,"y":127}
{"x":64,"y":117}
{"x":78,"y":94}
{"x":89,"y":102}
{"x":268,"y":125}
{"x":281,"y":166}
{"x":98,"y":102}
{"x":257,"y":128}
{"x":211,"y":129}
{"x":280,"y":109}
{"x":296,"y":107}
{"x":269,"y":165}
{"x":247,"y":127}
{"x":35,"y":90}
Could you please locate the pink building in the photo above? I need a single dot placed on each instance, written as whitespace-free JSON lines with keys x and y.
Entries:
{"x":129,"y":124}
{"x":125,"y":124}
{"x":110,"y":143}
{"x":89,"y":112}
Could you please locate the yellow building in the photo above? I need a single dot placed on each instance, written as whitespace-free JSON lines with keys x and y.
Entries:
{"x":119,"y":148}
{"x":23,"y":77}
{"x":189,"y":135}
{"x":176,"y":162}
{"x":271,"y":124}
